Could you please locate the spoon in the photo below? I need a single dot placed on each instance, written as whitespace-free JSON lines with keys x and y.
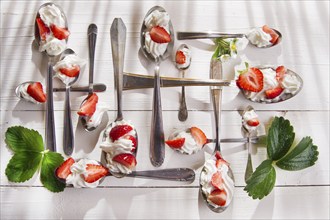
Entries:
{"x":97,"y":87}
{"x":92,"y":36}
{"x":183,"y":112}
{"x":50,"y":138}
{"x":157,"y":142}
{"x":212,"y":34}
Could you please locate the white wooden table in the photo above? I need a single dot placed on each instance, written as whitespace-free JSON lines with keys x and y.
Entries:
{"x":304,"y":49}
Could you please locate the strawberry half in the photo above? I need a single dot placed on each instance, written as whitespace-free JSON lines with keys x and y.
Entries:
{"x":35,"y":91}
{"x":43,"y":29}
{"x":218,"y":197}
{"x":176,"y":143}
{"x":94,"y":172}
{"x":180,"y":58}
{"x":272,"y":33}
{"x":59,"y":33}
{"x":253,"y":122}
{"x":160,"y":35}
{"x":71,"y":72}
{"x":280,"y":72}
{"x":217,"y":180}
{"x":220,"y":160}
{"x":63,"y":171}
{"x":89,"y":106}
{"x":133,"y":139}
{"x":250,"y":79}
{"x":119,"y":131}
{"x":128,"y":160}
{"x":199,"y":136}
{"x":273,"y":93}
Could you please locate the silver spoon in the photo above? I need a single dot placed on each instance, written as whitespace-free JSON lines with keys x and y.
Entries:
{"x":183,"y":112}
{"x":157,"y":142}
{"x":50,"y":138}
{"x":92,"y":36}
{"x":97,"y":87}
{"x":212,"y":34}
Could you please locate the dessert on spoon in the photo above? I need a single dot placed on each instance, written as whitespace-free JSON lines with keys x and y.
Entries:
{"x":32,"y":92}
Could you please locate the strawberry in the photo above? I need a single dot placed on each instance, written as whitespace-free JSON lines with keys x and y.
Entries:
{"x":253,"y":122}
{"x":128,"y":160}
{"x":272,"y":33}
{"x":176,"y":143}
{"x":63,"y":171}
{"x":89,"y":106}
{"x":35,"y":91}
{"x":180,"y":58}
{"x":119,"y":131}
{"x":250,"y":79}
{"x":218,"y":197}
{"x":43,"y":29}
{"x":133,"y":139}
{"x":94,"y":172}
{"x":273,"y":93}
{"x":71,"y":72}
{"x":280,"y":71}
{"x":217,"y":180}
{"x":198,"y":136}
{"x":159,"y":35}
{"x":59,"y":33}
{"x":220,"y":160}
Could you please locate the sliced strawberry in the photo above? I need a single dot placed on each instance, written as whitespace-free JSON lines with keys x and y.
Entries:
{"x":133,"y":139}
{"x":272,"y":33}
{"x":217,"y":180}
{"x":71,"y":72}
{"x":180,"y":58}
{"x":220,"y":160}
{"x":94,"y":172}
{"x":63,"y":171}
{"x":36,"y":91}
{"x":128,"y":160}
{"x":89,"y":106}
{"x":253,"y":122}
{"x":198,"y":135}
{"x":43,"y":29}
{"x":176,"y":143}
{"x":160,"y":35}
{"x":119,"y":131}
{"x":273,"y":93}
{"x":218,"y":197}
{"x":280,"y":72}
{"x":59,"y":33}
{"x":251,"y":79}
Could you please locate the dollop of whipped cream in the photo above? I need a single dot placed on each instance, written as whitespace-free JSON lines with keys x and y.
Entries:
{"x":52,"y":45}
{"x":190,"y":146}
{"x":259,"y":38}
{"x":78,"y":170}
{"x":120,"y":146}
{"x":290,"y":83}
{"x":249,"y":115}
{"x":209,"y":169}
{"x":187,"y":54}
{"x":25,"y":95}
{"x":68,"y":62}
{"x":96,"y":119}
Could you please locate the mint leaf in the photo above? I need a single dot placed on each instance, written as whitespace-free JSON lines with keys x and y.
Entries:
{"x":22,"y":166}
{"x":302,"y":156}
{"x":21,"y":139}
{"x":50,"y":162}
{"x":280,"y":138}
{"x":262,"y":181}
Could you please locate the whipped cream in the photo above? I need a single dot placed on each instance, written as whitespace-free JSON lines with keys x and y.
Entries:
{"x":68,"y":62}
{"x":290,"y":83}
{"x":155,"y":49}
{"x":206,"y":178}
{"x":96,"y":118}
{"x":249,"y":115}
{"x":51,"y":14}
{"x":259,"y":38}
{"x":190,"y":146}
{"x":187,"y":54}
{"x":78,"y":170}
{"x":52,"y":45}
{"x":23,"y":93}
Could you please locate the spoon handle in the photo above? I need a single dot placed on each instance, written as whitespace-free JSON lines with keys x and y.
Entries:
{"x":92,"y":36}
{"x":204,"y":35}
{"x":183,"y":112}
{"x":176,"y":174}
{"x":68,"y":130}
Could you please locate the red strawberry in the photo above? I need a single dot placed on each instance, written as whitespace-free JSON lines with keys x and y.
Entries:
{"x":35,"y":91}
{"x":63,"y":171}
{"x":198,"y":136}
{"x":94,"y":172}
{"x":119,"y":131}
{"x":280,"y":71}
{"x":272,"y":33}
{"x":89,"y":106}
{"x":220,"y":160}
{"x":71,"y":72}
{"x":133,"y":139}
{"x":251,"y":79}
{"x":273,"y":93}
{"x":253,"y":122}
{"x":59,"y":33}
{"x":160,"y":35}
{"x":180,"y":58}
{"x":128,"y":160}
{"x":217,"y":180}
{"x":176,"y":143}
{"x":218,"y":197}
{"x":43,"y":29}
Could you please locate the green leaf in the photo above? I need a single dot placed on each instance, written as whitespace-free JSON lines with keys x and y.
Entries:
{"x":280,"y":138}
{"x":304,"y":155}
{"x":22,"y":166}
{"x":50,"y":162}
{"x":21,"y":139}
{"x":262,"y":181}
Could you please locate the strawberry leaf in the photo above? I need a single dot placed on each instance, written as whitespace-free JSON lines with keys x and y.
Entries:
{"x":262,"y":181}
{"x":280,"y":138}
{"x":304,"y":155}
